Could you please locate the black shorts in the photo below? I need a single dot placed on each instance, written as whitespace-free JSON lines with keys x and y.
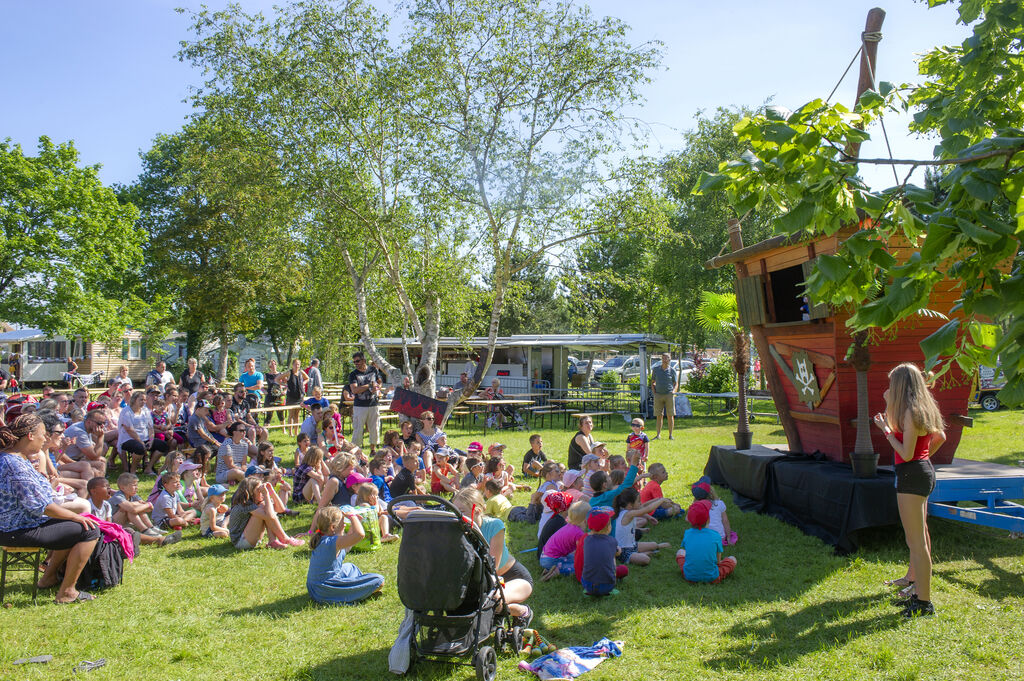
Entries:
{"x":52,"y":534}
{"x":517,"y":571}
{"x":915,"y":477}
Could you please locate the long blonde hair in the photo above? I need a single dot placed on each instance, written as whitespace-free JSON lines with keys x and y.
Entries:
{"x":466,"y":498}
{"x":313,"y":458}
{"x":328,"y":517}
{"x":908,"y":391}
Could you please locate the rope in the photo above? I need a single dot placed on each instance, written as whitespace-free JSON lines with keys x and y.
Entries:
{"x":881,"y":117}
{"x":848,"y":66}
{"x":871,"y":36}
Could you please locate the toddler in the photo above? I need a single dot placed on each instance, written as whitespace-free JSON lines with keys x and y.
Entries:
{"x":595,"y":555}
{"x":628,"y":509}
{"x":572,"y":484}
{"x":719,"y":521}
{"x":700,"y":558}
{"x":375,"y":519}
{"x":214,"y":513}
{"x":652,"y":490}
{"x":637,"y":441}
{"x":558,"y":552}
{"x":498,"y":505}
{"x":443,"y":476}
{"x":330,"y":579}
{"x":557,"y":504}
{"x":167,"y":509}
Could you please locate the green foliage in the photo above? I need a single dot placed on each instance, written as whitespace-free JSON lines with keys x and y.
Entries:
{"x":610,"y":378}
{"x":67,"y":246}
{"x":968,"y":230}
{"x":716,"y":377}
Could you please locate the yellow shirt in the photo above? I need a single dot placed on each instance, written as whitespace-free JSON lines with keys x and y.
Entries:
{"x":498,"y":507}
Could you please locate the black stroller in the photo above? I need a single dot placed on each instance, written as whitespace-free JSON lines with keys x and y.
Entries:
{"x":507,"y":417}
{"x":447,"y":579}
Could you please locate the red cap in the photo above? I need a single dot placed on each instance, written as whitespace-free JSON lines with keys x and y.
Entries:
{"x":599,"y":519}
{"x":699,"y":513}
{"x":94,"y":405}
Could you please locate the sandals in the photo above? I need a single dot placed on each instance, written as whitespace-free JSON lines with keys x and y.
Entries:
{"x":87,"y":666}
{"x":900,"y":582}
{"x":549,"y":574}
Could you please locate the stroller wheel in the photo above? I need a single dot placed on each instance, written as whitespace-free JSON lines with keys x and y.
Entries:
{"x":515,"y":639}
{"x":486,"y":663}
{"x":500,"y":638}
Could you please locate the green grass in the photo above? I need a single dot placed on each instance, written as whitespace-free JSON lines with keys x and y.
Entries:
{"x":792,"y":609}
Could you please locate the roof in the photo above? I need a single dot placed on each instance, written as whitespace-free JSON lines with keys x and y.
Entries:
{"x":22,"y":335}
{"x":592,"y":341}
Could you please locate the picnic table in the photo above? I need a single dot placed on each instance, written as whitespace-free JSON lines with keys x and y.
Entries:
{"x":496,"y":403}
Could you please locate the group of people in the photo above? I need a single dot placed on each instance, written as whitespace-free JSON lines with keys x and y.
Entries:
{"x":591,"y":514}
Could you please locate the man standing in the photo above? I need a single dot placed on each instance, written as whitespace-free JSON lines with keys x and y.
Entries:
{"x":364,"y":384}
{"x":315,"y":379}
{"x":665,"y":383}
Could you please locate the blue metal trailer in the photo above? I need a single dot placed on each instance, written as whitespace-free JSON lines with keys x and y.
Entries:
{"x":994,"y":486}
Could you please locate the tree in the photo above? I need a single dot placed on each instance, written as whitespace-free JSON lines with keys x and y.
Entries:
{"x":435,"y":161}
{"x":66,"y":246}
{"x":719,"y":312}
{"x":533,"y":303}
{"x":221,"y":227}
{"x":973,"y":100}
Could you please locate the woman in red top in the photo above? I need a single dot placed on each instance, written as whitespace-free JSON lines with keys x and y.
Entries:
{"x":912,"y":424}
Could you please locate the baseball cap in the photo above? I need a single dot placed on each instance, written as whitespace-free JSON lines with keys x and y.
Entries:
{"x":596,"y":445}
{"x":94,"y":405}
{"x":475,"y":447}
{"x":599,"y":518}
{"x":253,"y":469}
{"x":202,"y":404}
{"x":698,"y":514}
{"x":216,"y":490}
{"x":188,"y":466}
{"x":587,"y":458}
{"x":570,"y":477}
{"x":702,"y":488}
{"x":496,"y":445}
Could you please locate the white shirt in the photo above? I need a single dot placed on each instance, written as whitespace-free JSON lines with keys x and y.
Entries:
{"x":141,"y":422}
{"x":715,"y":517}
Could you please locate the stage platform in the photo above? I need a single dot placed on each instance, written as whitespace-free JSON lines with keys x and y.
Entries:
{"x":825,"y":500}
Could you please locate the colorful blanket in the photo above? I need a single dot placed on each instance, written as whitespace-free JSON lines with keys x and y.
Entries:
{"x":568,"y":663}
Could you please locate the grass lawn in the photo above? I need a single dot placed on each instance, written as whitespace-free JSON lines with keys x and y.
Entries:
{"x":792,"y":609}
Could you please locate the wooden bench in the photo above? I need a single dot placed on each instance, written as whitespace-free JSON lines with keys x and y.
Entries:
{"x":599,"y":414}
{"x":542,"y":413}
{"x":20,"y":559}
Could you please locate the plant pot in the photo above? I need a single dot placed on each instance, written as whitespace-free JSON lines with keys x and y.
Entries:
{"x":743,"y":440}
{"x":864,"y":465}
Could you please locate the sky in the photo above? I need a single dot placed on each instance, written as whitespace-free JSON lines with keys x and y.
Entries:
{"x":105,"y":74}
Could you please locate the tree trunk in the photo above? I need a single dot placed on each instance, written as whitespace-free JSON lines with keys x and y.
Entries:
{"x":222,"y":361}
{"x":590,"y":370}
{"x":742,"y":365}
{"x":861,"y":361}
{"x":424,"y":378}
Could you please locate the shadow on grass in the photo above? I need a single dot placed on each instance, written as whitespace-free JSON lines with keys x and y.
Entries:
{"x":281,"y":608}
{"x":778,"y":638}
{"x":1001,"y":583}
{"x":213,"y":548}
{"x":373,"y":664}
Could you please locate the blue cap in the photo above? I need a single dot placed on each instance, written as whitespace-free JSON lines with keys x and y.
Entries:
{"x":216,"y":490}
{"x":253,"y":469}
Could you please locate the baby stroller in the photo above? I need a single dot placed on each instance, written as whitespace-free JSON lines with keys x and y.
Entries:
{"x":507,"y":417}
{"x":447,"y":579}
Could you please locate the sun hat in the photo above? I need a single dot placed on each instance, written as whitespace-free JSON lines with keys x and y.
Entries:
{"x":188,"y":466}
{"x":570,"y":477}
{"x":698,"y":514}
{"x":587,"y":458}
{"x":253,"y":469}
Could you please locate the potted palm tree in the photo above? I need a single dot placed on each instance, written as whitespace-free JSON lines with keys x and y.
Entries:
{"x":718,"y":312}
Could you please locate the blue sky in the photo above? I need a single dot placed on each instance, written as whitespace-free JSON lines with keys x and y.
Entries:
{"x":105,"y":75}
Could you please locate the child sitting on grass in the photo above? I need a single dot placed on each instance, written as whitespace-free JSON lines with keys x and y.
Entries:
{"x":591,"y":465}
{"x":628,"y":509}
{"x":700,"y":558}
{"x":474,"y":476}
{"x":378,"y":473}
{"x":330,"y":579}
{"x":130,"y":510}
{"x":719,"y":521}
{"x":309,"y":476}
{"x":595,"y":555}
{"x":214,"y":513}
{"x":168,"y":511}
{"x":443,"y":476}
{"x":558,"y":553}
{"x":252,"y":514}
{"x":550,"y":473}
{"x":498,"y":505}
{"x":652,"y":490}
{"x":368,"y":503}
{"x":572,"y":484}
{"x":534,"y":458}
{"x":557,"y":504}
{"x":100,"y":501}
{"x":302,"y":444}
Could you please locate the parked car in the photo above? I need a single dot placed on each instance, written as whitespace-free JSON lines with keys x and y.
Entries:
{"x":584,"y":365}
{"x":625,"y":366}
{"x":685,"y":367}
{"x":987,"y":383}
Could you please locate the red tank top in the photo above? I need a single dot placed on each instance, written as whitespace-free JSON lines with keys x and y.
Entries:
{"x":920,"y":447}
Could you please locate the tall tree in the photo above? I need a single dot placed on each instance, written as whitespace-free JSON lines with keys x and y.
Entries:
{"x":67,"y":246}
{"x":221,"y":226}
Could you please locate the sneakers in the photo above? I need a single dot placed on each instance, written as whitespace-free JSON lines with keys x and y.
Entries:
{"x":152,"y":532}
{"x":523,"y":621}
{"x":289,"y":512}
{"x":917,"y":607}
{"x":171,"y":538}
{"x":275,"y":544}
{"x":294,"y":541}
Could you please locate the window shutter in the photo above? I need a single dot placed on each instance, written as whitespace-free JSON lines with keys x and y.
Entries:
{"x":819,"y":310}
{"x":124,"y":349}
{"x":750,"y":300}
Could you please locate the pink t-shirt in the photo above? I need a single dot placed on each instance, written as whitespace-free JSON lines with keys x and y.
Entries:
{"x":563,"y":541}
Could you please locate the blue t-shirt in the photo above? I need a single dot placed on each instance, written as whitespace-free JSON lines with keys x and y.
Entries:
{"x":250,"y":381}
{"x":398,"y":462}
{"x":702,"y":549}
{"x":382,"y":487}
{"x":488,"y":528}
{"x":324,"y":404}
